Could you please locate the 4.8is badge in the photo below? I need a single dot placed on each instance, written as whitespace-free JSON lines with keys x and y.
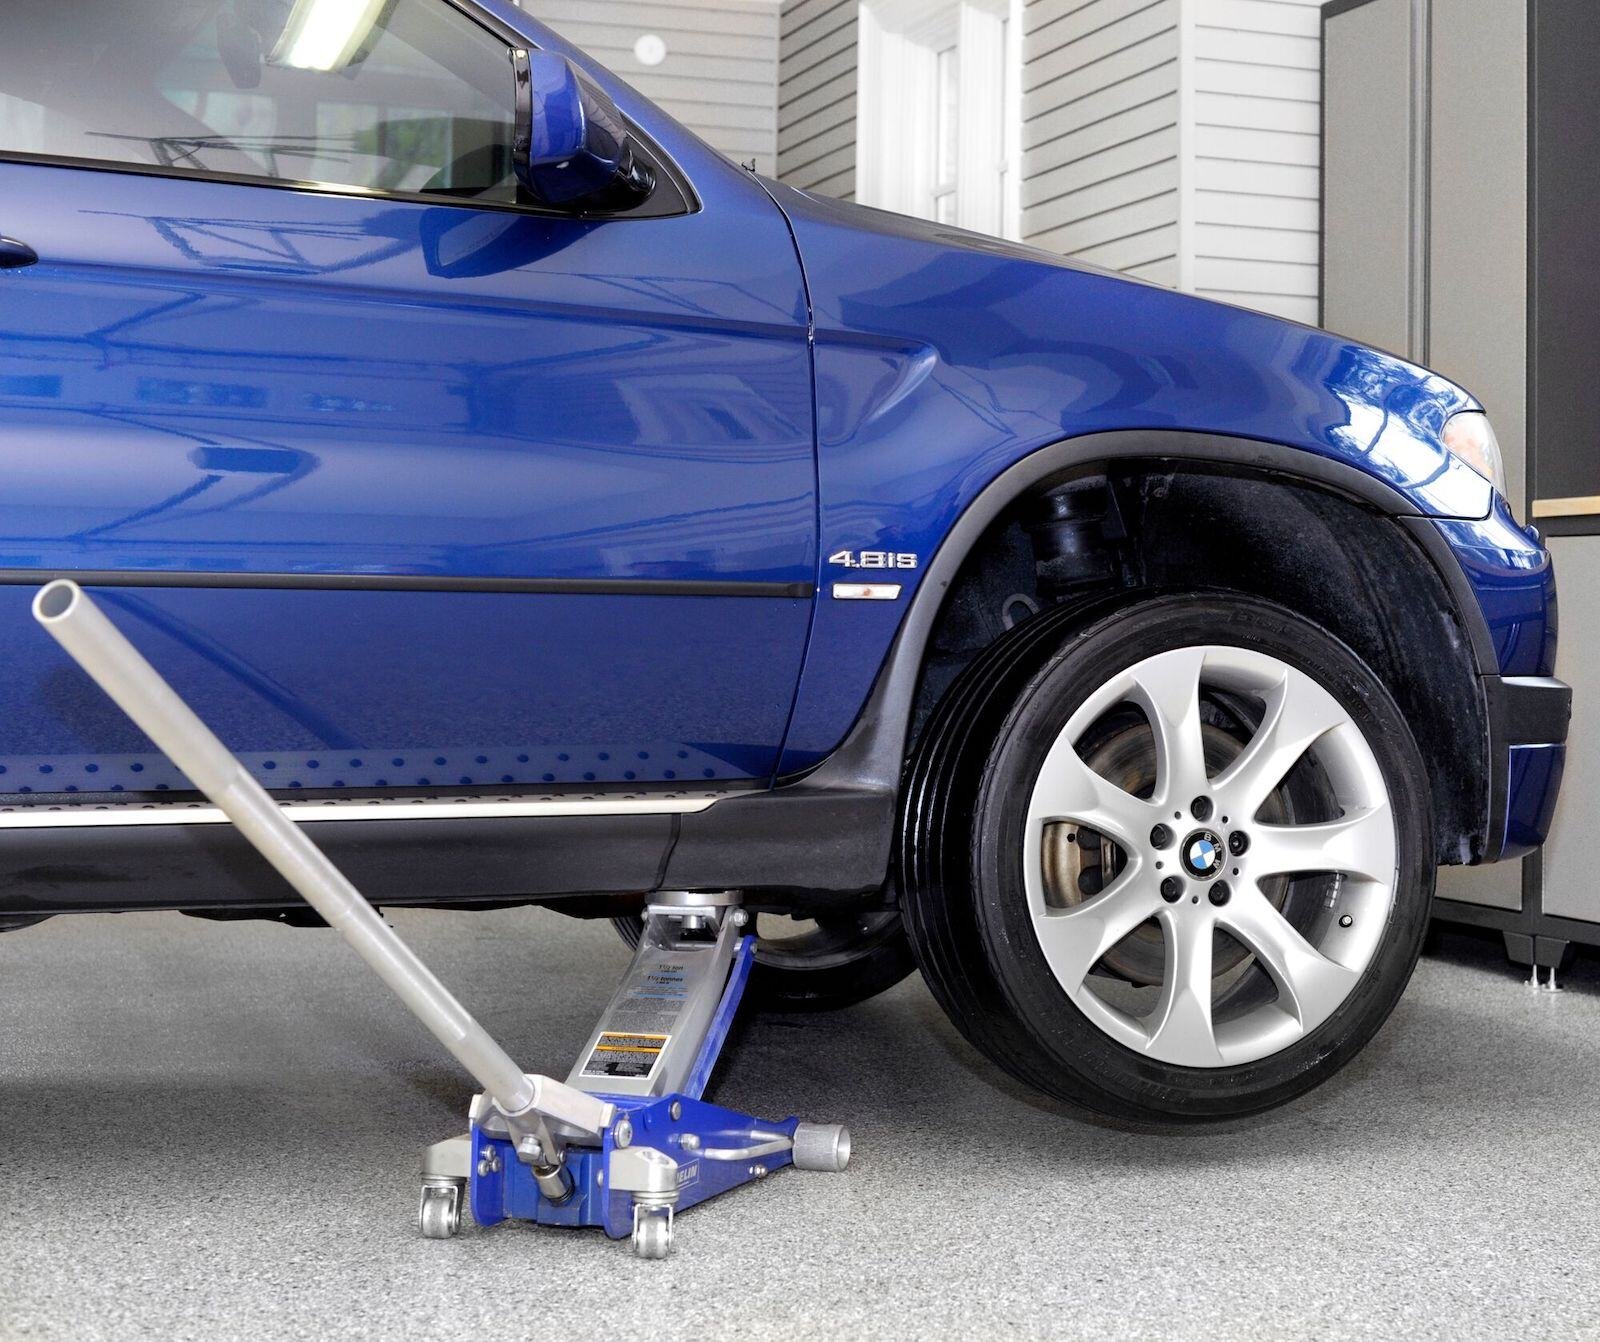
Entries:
{"x":873,"y":559}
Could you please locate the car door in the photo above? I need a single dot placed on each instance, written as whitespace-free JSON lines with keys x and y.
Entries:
{"x":405,"y":483}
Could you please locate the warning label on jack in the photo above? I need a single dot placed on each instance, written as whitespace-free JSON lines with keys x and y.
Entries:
{"x":630,"y":1055}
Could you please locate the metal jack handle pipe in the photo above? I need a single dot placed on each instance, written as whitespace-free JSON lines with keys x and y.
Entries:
{"x":78,"y":625}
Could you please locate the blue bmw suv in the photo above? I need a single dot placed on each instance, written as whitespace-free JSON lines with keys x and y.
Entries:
{"x":548,"y":510}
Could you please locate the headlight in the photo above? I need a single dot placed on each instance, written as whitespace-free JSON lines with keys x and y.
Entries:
{"x":1470,"y":436}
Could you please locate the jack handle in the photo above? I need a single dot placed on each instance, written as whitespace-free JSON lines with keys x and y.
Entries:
{"x":73,"y":619}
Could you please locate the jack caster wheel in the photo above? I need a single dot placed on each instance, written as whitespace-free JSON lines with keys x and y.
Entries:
{"x":439,"y":1212}
{"x":652,"y":1234}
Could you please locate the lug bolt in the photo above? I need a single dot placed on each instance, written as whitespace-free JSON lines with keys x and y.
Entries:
{"x":1200,"y":808}
{"x":1238,"y":842}
{"x":1160,"y":836}
{"x":1346,"y":920}
{"x":1220,"y":893}
{"x":1172,"y":890}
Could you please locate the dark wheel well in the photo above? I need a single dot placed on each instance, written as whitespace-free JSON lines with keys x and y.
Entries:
{"x":1136,"y":526}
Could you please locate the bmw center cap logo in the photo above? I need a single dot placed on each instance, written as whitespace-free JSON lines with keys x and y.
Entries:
{"x":1202,"y":854}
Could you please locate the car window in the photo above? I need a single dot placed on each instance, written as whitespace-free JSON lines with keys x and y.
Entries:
{"x":392,"y":95}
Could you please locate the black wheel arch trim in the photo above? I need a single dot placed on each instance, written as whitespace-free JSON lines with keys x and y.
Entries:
{"x":871,"y":754}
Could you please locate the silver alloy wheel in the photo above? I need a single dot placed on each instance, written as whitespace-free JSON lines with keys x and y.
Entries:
{"x":1314,"y":969}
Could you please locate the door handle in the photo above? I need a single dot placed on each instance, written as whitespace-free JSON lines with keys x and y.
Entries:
{"x":14,"y":254}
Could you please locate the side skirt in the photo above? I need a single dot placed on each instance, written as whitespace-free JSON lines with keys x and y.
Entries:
{"x":795,"y":849}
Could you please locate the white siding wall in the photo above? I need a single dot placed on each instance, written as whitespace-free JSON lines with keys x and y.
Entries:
{"x":1256,"y":109}
{"x":1178,"y":140}
{"x":817,"y":96}
{"x":721,"y":68}
{"x":1100,"y":132}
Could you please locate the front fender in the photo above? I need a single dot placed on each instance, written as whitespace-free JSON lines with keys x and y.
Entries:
{"x":944,"y":360}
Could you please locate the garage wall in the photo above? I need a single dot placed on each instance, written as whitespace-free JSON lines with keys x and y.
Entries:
{"x":817,"y":96}
{"x":1179,"y":140}
{"x":1255,"y":112}
{"x":1100,"y":132}
{"x":721,"y":66}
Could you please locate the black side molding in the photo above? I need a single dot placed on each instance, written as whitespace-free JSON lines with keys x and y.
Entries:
{"x":411,"y":582}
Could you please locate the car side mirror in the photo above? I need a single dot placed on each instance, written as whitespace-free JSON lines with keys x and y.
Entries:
{"x":573,"y":150}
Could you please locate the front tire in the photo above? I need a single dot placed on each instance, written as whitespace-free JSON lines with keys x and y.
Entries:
{"x":1171,"y":863}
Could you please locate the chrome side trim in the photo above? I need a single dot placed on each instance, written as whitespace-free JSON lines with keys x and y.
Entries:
{"x":97,"y":815}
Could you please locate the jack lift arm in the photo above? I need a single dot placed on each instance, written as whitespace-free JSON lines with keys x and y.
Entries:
{"x":626,"y":1141}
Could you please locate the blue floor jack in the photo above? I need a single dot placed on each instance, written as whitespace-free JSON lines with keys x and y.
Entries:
{"x":659,"y":1149}
{"x":626,"y":1141}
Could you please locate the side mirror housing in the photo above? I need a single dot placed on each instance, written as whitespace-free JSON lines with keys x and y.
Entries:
{"x":573,"y":150}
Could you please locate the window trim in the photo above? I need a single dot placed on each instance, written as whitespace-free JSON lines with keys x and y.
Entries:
{"x":900,"y":42}
{"x":670,"y":178}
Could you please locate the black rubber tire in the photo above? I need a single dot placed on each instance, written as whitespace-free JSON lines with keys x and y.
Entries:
{"x":960,"y":868}
{"x":882,"y":960}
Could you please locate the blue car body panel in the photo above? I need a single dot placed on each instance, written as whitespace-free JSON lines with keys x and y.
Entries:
{"x":237,"y":380}
{"x":943,"y":358}
{"x":1514,"y":582}
{"x":267,"y":391}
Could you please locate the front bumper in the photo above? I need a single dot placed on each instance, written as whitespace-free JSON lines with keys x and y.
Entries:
{"x":1528,"y":720}
{"x":1504,"y":582}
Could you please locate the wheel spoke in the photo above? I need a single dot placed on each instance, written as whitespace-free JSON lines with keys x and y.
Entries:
{"x":1310,"y":985}
{"x":1073,"y":940}
{"x":1180,"y":1026}
{"x":1360,"y":843}
{"x":1168,"y":688}
{"x":1299,"y":713}
{"x":1068,"y":789}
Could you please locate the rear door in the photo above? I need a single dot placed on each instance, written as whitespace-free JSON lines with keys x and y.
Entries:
{"x":405,"y":484}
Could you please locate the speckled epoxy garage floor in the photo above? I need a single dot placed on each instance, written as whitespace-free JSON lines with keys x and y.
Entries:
{"x":211,"y":1131}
